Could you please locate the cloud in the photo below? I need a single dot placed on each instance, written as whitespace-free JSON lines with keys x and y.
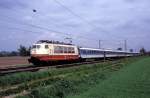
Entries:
{"x":104,"y":19}
{"x":9,"y":4}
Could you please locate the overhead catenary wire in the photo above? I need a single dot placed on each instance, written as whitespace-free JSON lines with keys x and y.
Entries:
{"x":43,"y":28}
{"x":38,"y":27}
{"x":55,"y":31}
{"x":81,"y":18}
{"x":73,"y":13}
{"x":78,"y":16}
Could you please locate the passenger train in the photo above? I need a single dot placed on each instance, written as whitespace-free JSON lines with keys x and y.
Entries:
{"x":50,"y":52}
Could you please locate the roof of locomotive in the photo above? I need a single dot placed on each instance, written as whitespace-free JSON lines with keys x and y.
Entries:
{"x":46,"y":42}
{"x":52,"y":42}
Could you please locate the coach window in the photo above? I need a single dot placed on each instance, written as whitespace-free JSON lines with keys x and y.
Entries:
{"x":108,"y":52}
{"x":86,"y":51}
{"x":101,"y":52}
{"x":69,"y":50}
{"x":72,"y":50}
{"x":83,"y":51}
{"x":61,"y":49}
{"x":95,"y":52}
{"x":91,"y":52}
{"x":65,"y":50}
{"x":56,"y":49}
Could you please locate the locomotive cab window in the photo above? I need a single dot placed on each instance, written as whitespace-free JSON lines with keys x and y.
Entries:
{"x":46,"y":46}
{"x":34,"y":46}
{"x":65,"y":50}
{"x":69,"y":50}
{"x":38,"y":46}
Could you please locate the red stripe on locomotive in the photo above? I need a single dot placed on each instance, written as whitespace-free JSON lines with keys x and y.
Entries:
{"x":57,"y":57}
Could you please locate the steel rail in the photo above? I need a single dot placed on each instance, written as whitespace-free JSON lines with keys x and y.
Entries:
{"x":33,"y":68}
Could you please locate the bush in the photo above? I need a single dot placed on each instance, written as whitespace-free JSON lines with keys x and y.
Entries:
{"x":22,"y":97}
{"x":22,"y":77}
{"x":24,"y":51}
{"x":58,"y":90}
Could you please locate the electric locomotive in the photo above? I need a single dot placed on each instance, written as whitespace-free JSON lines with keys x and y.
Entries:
{"x":48,"y":52}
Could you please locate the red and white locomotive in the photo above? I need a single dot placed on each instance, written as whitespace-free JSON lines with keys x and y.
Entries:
{"x":50,"y":52}
{"x":45,"y":51}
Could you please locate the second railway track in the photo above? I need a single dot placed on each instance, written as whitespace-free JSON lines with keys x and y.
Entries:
{"x":5,"y":71}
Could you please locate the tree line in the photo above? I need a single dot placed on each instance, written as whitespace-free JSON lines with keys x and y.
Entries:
{"x":21,"y":51}
{"x":142,"y":51}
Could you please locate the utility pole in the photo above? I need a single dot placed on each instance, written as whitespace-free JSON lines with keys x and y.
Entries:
{"x":100,"y":44}
{"x":125,"y":45}
{"x":125,"y":48}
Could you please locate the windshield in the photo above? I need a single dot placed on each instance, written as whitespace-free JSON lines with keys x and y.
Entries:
{"x":36,"y":46}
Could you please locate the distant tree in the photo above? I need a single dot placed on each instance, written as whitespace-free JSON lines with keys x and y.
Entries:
{"x":14,"y":53}
{"x":7,"y":53}
{"x":24,"y":51}
{"x":143,"y":51}
{"x":149,"y":53}
{"x":29,"y":49}
{"x":4,"y":53}
{"x":120,"y":49}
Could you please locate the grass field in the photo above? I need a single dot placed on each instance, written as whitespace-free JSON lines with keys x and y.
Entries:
{"x":102,"y":80}
{"x":130,"y":82}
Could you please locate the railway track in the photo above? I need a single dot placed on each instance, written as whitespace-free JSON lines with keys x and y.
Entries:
{"x":32,"y":68}
{"x":11,"y":70}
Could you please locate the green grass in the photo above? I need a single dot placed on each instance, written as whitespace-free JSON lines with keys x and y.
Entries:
{"x":73,"y":75}
{"x":132,"y":81}
{"x":58,"y":83}
{"x":14,"y":79}
{"x":29,"y":76}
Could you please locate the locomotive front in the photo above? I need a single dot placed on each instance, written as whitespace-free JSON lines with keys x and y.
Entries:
{"x":47,"y":52}
{"x":39,"y":52}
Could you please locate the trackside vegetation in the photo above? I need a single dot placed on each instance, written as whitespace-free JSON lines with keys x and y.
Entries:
{"x":130,"y":82}
{"x":66,"y":82}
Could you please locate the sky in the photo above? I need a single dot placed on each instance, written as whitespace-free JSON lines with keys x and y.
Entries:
{"x":85,"y":21}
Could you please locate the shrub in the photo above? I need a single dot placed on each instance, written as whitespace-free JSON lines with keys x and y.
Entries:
{"x":58,"y":90}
